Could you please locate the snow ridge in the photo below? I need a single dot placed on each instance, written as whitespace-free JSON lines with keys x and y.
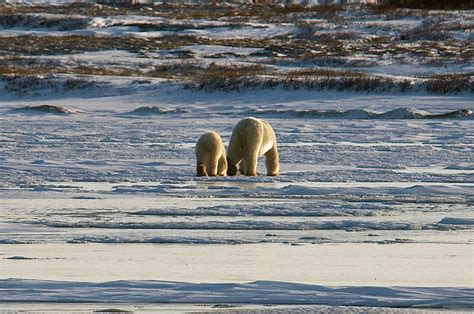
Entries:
{"x":399,"y":113}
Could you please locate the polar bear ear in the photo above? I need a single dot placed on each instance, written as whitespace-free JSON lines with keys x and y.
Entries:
{"x":201,"y":171}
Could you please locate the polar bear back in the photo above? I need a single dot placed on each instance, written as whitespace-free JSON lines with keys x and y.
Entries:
{"x":250,"y":129}
{"x":250,"y":139}
{"x":210,"y":143}
{"x":269,"y":138}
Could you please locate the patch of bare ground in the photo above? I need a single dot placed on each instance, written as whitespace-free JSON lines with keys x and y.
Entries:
{"x":205,"y":10}
{"x":244,"y":78}
{"x":325,"y":36}
{"x":383,"y":45}
{"x":450,"y":83}
{"x":33,"y":84}
{"x":61,"y":23}
{"x":323,"y":72}
{"x":286,"y":47}
{"x":68,"y":22}
{"x":54,"y":45}
{"x":262,"y":10}
{"x":227,"y":77}
{"x":76,"y":8}
{"x":435,"y":30}
{"x":31,"y":66}
{"x":292,"y":81}
{"x":429,"y":4}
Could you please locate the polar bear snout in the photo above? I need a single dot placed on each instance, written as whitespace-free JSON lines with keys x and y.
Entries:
{"x":231,"y":169}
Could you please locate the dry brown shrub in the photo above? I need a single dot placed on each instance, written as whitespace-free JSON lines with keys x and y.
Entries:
{"x":308,"y":72}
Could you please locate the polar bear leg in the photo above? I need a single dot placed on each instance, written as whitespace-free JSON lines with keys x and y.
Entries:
{"x":201,"y":171}
{"x":250,"y":165}
{"x":222,"y":166}
{"x":234,"y":156}
{"x":201,"y":168}
{"x":242,"y":167}
{"x":272,"y":162}
{"x":251,"y":155}
{"x":212,"y":166}
{"x":202,"y":159}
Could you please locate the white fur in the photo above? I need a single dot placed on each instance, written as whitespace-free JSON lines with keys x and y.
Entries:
{"x":210,"y":155}
{"x":252,"y":138}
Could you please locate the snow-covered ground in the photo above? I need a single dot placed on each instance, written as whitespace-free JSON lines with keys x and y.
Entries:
{"x":101,"y":194}
{"x":99,"y":202}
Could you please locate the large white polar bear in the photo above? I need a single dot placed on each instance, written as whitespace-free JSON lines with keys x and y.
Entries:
{"x":252,"y":138}
{"x":210,"y":155}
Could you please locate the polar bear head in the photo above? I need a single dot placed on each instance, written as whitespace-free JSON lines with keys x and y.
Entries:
{"x":231,"y":168}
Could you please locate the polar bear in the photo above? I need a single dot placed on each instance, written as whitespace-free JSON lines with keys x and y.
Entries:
{"x":210,"y":155}
{"x":252,"y":138}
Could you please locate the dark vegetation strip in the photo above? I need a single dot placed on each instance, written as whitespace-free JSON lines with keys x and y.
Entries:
{"x":430,"y":4}
{"x":284,"y":48}
{"x":55,"y":45}
{"x":454,"y":83}
{"x":205,"y":10}
{"x":230,"y":79}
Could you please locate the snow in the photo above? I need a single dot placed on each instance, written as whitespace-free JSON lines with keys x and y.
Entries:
{"x":153,"y":110}
{"x":399,"y":113}
{"x":114,"y":176}
{"x":373,"y":206}
{"x":457,"y":221}
{"x":203,"y":51}
{"x":427,"y":264}
{"x":258,"y":292}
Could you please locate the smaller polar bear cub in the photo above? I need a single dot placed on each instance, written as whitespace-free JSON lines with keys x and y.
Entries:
{"x":252,"y":138}
{"x":210,"y":155}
